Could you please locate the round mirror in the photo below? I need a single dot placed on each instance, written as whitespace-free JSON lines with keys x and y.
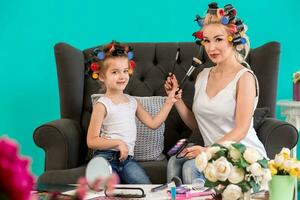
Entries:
{"x":97,"y":168}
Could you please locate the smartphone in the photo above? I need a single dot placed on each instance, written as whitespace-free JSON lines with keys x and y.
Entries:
{"x":178,"y":147}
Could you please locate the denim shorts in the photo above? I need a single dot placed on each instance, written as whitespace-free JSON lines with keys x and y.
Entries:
{"x":129,"y":170}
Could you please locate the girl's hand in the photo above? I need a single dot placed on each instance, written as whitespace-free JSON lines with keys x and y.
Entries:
{"x":123,"y":148}
{"x":192,"y":152}
{"x":171,"y":83}
{"x":175,"y":95}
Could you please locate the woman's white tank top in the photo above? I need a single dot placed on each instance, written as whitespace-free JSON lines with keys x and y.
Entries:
{"x":216,"y":115}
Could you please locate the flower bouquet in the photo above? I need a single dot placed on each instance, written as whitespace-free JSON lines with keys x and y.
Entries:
{"x":232,"y":170}
{"x":16,"y":181}
{"x":296,"y":86}
{"x":83,"y":187}
{"x":284,"y":170}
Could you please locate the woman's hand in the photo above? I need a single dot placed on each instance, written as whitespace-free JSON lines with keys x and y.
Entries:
{"x":192,"y":152}
{"x":123,"y":148}
{"x":171,"y":83}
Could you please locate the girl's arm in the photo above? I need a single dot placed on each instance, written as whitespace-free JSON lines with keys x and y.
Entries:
{"x":156,"y":121}
{"x":185,"y":113}
{"x":246,"y":92}
{"x":94,"y":141}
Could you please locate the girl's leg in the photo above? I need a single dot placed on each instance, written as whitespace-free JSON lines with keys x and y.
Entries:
{"x":133,"y":173}
{"x":174,"y":167}
{"x":111,"y":156}
{"x":190,"y":172}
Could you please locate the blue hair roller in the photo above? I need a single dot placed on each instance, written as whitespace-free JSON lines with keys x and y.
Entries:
{"x":101,"y":55}
{"x":224,"y":20}
{"x":199,"y":20}
{"x":243,"y":40}
{"x":130,"y":55}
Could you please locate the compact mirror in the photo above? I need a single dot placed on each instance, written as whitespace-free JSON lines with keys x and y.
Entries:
{"x":97,"y":168}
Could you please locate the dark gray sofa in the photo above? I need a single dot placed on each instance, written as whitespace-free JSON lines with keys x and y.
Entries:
{"x":64,"y":140}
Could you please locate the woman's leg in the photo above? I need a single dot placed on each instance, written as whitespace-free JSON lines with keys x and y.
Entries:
{"x":133,"y":173}
{"x":190,"y":172}
{"x":174,"y":168}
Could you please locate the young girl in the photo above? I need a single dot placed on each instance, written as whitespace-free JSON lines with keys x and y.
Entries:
{"x":112,"y":130}
{"x":226,"y":95}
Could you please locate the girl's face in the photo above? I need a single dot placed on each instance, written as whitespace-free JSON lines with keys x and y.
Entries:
{"x":216,"y":43}
{"x":116,"y":76}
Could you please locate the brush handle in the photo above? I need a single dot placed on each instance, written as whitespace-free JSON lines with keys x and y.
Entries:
{"x":185,"y":77}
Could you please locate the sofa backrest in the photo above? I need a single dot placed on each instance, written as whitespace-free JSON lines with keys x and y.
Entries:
{"x":153,"y":62}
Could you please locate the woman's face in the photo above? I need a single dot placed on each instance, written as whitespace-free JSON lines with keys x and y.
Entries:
{"x":216,"y":44}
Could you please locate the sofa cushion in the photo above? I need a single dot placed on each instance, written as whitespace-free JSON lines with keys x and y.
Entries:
{"x":259,"y":116}
{"x":156,"y":170}
{"x":150,"y":143}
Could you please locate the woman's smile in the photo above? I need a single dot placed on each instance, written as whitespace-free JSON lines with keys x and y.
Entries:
{"x":214,"y":55}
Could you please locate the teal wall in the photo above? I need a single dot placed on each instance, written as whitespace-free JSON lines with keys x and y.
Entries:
{"x":29,"y":30}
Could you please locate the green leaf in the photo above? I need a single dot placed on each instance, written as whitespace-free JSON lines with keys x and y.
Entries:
{"x":240,"y":147}
{"x":211,"y":184}
{"x":263,"y":163}
{"x":244,"y":185}
{"x":222,"y":152}
{"x":217,"y":145}
{"x":254,"y":186}
{"x":230,"y":160}
{"x":242,"y":163}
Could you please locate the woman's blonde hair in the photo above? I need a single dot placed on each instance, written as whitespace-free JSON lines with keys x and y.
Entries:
{"x":235,"y":27}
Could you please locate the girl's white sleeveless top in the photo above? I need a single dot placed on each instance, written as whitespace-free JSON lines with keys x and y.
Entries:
{"x":216,"y":115}
{"x":119,"y":122}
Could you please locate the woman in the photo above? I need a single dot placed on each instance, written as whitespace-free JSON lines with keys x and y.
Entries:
{"x":226,"y":94}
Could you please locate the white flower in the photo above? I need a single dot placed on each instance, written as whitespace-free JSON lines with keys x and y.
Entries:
{"x":232,"y":192}
{"x":258,"y":179}
{"x":201,"y":161}
{"x":210,"y":172}
{"x":288,"y":164}
{"x":237,"y":175}
{"x":255,"y":169}
{"x":234,"y":153}
{"x":267,"y":176}
{"x":227,"y":144}
{"x":278,"y":160}
{"x":251,"y":155}
{"x":212,"y":151}
{"x":297,"y":164}
{"x":223,"y":168}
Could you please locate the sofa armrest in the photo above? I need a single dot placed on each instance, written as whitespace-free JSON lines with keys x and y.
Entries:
{"x":61,"y":140}
{"x":275,"y":134}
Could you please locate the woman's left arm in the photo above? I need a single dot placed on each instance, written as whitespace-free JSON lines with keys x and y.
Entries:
{"x":245,"y":97}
